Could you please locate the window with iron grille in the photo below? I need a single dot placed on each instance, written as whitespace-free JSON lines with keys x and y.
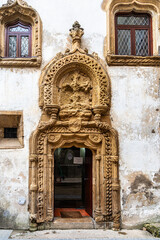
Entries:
{"x":133,"y":34}
{"x":11,"y":129}
{"x":10,"y":132}
{"x":18,"y":40}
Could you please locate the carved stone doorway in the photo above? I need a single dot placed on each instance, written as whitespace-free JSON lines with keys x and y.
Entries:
{"x":75,"y":99}
{"x":73,"y":180}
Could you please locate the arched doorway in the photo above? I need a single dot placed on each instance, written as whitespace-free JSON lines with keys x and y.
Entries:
{"x":72,"y":181}
{"x":75,"y":99}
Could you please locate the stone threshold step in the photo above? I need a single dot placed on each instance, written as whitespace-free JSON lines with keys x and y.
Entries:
{"x":72,"y":223}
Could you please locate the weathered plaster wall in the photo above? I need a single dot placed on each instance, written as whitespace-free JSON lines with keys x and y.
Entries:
{"x":134,"y":113}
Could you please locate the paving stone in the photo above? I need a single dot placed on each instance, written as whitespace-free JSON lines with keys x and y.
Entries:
{"x":4,"y":234}
{"x":82,"y":234}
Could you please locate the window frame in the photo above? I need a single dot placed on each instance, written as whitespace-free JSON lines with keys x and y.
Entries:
{"x":18,"y":35}
{"x":11,"y":119}
{"x":133,"y":28}
{"x":10,"y":12}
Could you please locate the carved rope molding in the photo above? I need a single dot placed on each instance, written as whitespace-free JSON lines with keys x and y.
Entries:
{"x":142,"y":6}
{"x":114,"y":60}
{"x":19,"y":9}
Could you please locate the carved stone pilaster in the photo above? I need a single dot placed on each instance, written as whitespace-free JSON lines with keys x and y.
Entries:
{"x":98,"y":211}
{"x":50,"y":204}
{"x":115,"y":193}
{"x":33,"y":189}
{"x":99,"y":111}
{"x":51,"y":110}
{"x":33,"y":159}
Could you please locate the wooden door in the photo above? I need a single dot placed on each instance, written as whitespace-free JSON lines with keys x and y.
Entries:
{"x":88,"y":182}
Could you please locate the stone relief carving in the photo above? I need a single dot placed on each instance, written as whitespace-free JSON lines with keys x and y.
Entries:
{"x":75,"y":102}
{"x":19,"y":9}
{"x":75,"y":124}
{"x":76,"y":91}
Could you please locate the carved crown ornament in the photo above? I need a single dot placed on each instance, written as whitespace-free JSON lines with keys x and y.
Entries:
{"x":112,"y":7}
{"x":19,"y":10}
{"x":75,"y":99}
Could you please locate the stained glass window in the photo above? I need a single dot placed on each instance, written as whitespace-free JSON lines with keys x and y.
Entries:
{"x":18,"y":40}
{"x":133,"y":34}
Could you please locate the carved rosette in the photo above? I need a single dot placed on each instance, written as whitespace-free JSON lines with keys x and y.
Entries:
{"x":75,"y":101}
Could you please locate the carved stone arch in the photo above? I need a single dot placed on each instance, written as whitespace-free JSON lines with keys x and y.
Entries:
{"x":151,"y":7}
{"x":69,"y":118}
{"x":20,"y":10}
{"x":69,"y":63}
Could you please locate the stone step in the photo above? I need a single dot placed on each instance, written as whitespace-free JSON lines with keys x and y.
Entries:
{"x":72,"y":223}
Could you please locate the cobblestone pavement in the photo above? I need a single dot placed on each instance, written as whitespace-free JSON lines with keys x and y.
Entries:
{"x":75,"y":234}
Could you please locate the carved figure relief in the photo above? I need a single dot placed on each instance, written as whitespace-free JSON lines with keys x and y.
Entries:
{"x":75,"y":91}
{"x":75,"y":98}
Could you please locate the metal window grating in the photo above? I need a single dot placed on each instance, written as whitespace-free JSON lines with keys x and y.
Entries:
{"x":133,"y":20}
{"x":10,"y":132}
{"x":124,"y":42}
{"x":141,"y":37}
{"x":133,"y":34}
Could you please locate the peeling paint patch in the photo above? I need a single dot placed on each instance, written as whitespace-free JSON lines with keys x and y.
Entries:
{"x":140,"y":184}
{"x":22,"y":175}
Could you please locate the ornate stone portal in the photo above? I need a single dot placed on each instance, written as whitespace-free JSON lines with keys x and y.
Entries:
{"x":75,"y":98}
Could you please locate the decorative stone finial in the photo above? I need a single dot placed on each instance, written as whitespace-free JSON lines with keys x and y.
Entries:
{"x":76,"y":33}
{"x":10,"y":2}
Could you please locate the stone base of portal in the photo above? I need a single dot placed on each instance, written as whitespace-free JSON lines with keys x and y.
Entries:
{"x":70,"y":223}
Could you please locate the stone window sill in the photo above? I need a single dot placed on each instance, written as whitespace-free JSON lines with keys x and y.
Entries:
{"x":125,"y":60}
{"x":20,"y":62}
{"x":10,"y":143}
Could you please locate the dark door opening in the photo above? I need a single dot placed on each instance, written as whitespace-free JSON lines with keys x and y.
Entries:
{"x":73,"y":178}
